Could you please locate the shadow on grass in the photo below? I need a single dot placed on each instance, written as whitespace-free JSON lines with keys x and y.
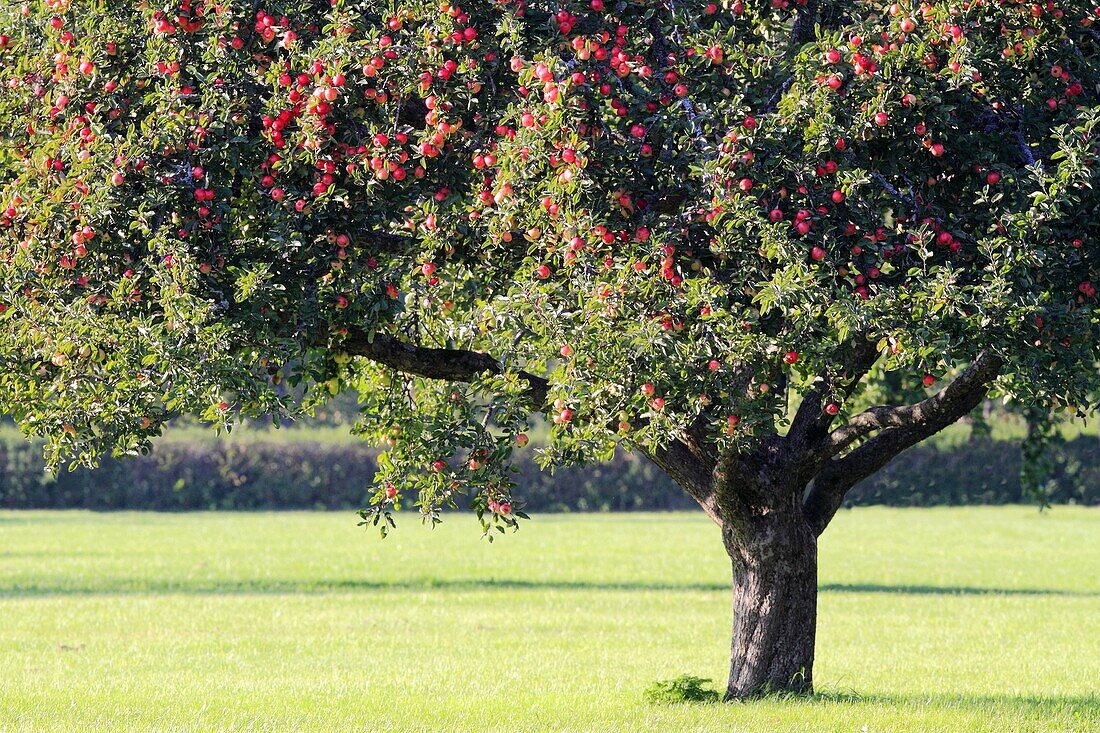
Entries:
{"x":950,"y":590}
{"x":1085,"y":707}
{"x":687,"y":689}
{"x":131,"y":586}
{"x":1080,"y":706}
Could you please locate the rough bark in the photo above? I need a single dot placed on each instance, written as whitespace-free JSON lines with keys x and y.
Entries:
{"x":691,"y":471}
{"x":774,"y":607}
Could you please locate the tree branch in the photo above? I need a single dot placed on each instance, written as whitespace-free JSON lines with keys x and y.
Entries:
{"x":688,"y":465}
{"x":456,"y":365}
{"x":904,"y":427}
{"x":982,"y":371}
{"x":690,"y":471}
{"x":811,"y":423}
{"x":803,"y":31}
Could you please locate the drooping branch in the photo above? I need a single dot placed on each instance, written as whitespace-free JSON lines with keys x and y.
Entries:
{"x":686,"y":464}
{"x":902,"y":428}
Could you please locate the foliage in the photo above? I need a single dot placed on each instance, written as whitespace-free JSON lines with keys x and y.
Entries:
{"x":1038,"y":455}
{"x":677,"y":214}
{"x":685,"y":688}
{"x":280,"y":472}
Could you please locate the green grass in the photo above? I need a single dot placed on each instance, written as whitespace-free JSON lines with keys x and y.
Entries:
{"x":982,"y":619}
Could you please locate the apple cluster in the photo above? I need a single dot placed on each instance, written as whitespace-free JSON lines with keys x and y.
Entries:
{"x":678,"y":214}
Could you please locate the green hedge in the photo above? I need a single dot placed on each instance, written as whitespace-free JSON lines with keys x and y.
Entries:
{"x":267,"y":474}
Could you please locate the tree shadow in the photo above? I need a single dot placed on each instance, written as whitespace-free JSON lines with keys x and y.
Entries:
{"x":951,"y":590}
{"x":1084,"y":707}
{"x":105,"y":586}
{"x":51,"y":554}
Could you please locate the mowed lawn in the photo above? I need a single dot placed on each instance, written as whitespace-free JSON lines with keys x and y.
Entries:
{"x":978,"y":619}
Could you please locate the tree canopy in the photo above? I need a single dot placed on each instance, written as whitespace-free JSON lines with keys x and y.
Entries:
{"x":685,"y":227}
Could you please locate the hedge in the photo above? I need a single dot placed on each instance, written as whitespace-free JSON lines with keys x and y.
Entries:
{"x":269,"y":474}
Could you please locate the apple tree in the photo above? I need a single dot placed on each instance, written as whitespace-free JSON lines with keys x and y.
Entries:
{"x":703,"y":231}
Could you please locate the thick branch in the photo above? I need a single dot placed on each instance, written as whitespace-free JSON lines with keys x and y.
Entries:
{"x":692,"y":474}
{"x":905,"y":427}
{"x":979,"y":374}
{"x":803,"y":30}
{"x":811,"y":423}
{"x":456,"y":365}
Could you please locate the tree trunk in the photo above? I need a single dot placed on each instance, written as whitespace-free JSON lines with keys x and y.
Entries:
{"x":774,"y":607}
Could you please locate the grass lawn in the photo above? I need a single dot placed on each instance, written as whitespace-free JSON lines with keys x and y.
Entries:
{"x":980,"y":619}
